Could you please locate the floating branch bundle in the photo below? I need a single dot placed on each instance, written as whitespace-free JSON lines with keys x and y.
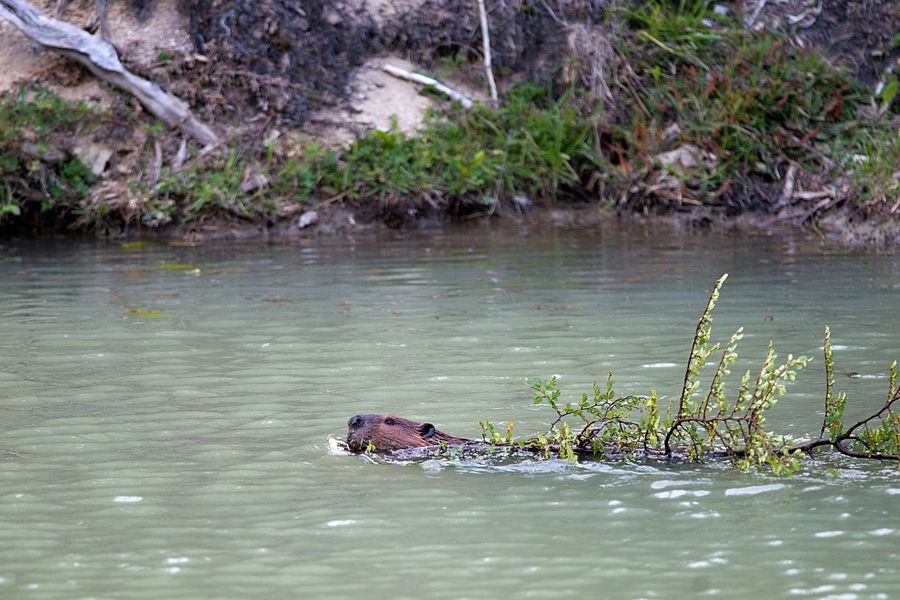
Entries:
{"x":711,"y":424}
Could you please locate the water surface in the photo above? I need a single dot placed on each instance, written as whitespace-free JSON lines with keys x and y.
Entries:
{"x":164,"y":415}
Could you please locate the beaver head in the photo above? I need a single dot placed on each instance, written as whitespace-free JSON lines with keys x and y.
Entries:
{"x":386,"y":433}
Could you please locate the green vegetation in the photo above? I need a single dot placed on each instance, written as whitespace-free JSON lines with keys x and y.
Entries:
{"x":147,"y":313}
{"x":875,"y":170}
{"x":200,"y":191}
{"x":533,"y":145}
{"x":699,"y":425}
{"x":38,"y":174}
{"x":754,"y":102}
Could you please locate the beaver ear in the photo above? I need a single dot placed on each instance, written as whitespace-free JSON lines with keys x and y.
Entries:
{"x":426,"y":430}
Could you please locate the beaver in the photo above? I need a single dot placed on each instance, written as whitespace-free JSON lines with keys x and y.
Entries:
{"x":387,"y":433}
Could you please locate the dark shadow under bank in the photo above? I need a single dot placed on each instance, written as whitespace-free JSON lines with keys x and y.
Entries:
{"x":340,"y":222}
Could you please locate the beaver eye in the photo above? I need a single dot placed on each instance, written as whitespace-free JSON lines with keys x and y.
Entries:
{"x":389,"y":421}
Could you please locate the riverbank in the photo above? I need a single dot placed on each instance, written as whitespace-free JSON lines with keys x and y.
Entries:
{"x":690,"y":112}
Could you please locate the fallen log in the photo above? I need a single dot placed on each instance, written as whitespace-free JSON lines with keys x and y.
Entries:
{"x":100,"y":58}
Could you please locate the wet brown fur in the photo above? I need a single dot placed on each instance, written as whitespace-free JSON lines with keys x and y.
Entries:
{"x":387,"y":433}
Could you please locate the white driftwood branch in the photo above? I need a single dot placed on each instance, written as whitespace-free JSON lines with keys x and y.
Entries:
{"x":486,"y":46}
{"x":787,"y":193}
{"x":752,"y":19}
{"x":101,"y":59}
{"x":814,"y":195}
{"x":424,"y":80}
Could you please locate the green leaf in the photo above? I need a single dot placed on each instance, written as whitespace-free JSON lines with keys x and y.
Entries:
{"x":888,"y":94}
{"x":10,"y":209}
{"x":148,"y":313}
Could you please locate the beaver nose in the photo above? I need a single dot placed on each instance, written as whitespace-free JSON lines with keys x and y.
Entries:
{"x":355,"y":421}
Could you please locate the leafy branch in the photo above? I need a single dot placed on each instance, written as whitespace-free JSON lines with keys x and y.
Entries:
{"x":714,"y":424}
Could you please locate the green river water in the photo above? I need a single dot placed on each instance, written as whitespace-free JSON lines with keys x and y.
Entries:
{"x":164,"y":415}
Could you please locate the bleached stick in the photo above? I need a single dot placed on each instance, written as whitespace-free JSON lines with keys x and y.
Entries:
{"x":749,"y":22}
{"x":787,"y":193}
{"x":429,"y":81}
{"x":486,"y":45}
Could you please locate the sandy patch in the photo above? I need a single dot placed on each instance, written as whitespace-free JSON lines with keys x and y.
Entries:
{"x":377,"y":98}
{"x":383,"y":10}
{"x":165,"y":28}
{"x":17,"y":55}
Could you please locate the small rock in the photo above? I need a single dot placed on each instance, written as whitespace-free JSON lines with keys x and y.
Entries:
{"x":46,"y":155}
{"x":686,"y":157}
{"x":53,"y":156}
{"x":95,"y":156}
{"x":671,"y":132}
{"x":284,"y":63}
{"x":308,"y":218}
{"x":253,"y":181}
{"x":31,"y":150}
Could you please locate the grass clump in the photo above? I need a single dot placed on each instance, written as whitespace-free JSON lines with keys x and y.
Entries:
{"x":39,"y":175}
{"x":752,"y":101}
{"x":875,"y":171}
{"x":222,"y":190}
{"x":534,"y":145}
{"x":38,"y":110}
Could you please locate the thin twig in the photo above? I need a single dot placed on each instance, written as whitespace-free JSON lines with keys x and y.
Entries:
{"x":752,"y":19}
{"x":180,"y":156}
{"x":156,"y":169}
{"x":464,"y":100}
{"x":103,"y":18}
{"x":552,"y":14}
{"x":829,"y":379}
{"x":814,"y":12}
{"x":886,"y":406}
{"x":813,"y":195}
